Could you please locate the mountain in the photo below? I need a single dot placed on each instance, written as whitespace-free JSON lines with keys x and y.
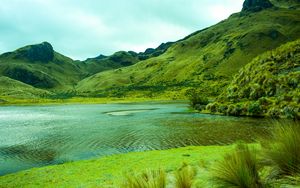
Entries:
{"x":268,"y":86}
{"x":40,"y":66}
{"x":121,"y":59}
{"x":104,"y":63}
{"x":206,"y":60}
{"x":203,"y":62}
{"x":256,"y":5}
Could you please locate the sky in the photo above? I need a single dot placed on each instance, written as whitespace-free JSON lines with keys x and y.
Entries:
{"x":87,"y":28}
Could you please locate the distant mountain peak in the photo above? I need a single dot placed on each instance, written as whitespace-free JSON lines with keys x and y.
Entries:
{"x":39,"y":52}
{"x":256,"y":5}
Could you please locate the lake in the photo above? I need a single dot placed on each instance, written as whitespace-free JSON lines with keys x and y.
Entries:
{"x":34,"y":136}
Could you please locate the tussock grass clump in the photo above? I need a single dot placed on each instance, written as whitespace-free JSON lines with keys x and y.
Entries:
{"x":238,"y":169}
{"x":283,"y":149}
{"x":148,"y":179}
{"x":185,"y":176}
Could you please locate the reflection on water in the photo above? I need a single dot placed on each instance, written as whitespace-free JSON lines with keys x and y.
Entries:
{"x":35,"y":136}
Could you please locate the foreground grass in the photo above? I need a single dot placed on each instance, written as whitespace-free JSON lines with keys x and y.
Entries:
{"x":109,"y":171}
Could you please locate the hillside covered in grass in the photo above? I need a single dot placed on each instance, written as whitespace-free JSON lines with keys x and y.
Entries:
{"x":10,"y":87}
{"x":205,"y":60}
{"x":41,"y":67}
{"x":269,"y":85}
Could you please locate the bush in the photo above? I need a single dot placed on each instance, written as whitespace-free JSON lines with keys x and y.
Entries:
{"x":197,"y":99}
{"x":274,"y":112}
{"x":213,"y":107}
{"x":238,"y":169}
{"x":234,"y":110}
{"x":149,"y":179}
{"x":255,"y":109}
{"x":283,"y":149}
{"x":185,"y":176}
{"x":290,"y":112}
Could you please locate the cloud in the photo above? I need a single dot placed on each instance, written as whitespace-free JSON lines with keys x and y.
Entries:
{"x":86,"y":28}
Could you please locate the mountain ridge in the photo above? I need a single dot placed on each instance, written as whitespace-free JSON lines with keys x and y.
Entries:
{"x":209,"y":56}
{"x":205,"y":60}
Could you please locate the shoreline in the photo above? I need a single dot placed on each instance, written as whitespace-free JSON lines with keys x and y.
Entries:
{"x":79,"y":101}
{"x":108,"y":171}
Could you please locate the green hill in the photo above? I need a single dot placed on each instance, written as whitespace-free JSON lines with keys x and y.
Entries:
{"x":269,"y":85}
{"x":206,"y":59}
{"x":14,"y":88}
{"x":121,"y":59}
{"x":40,"y":66}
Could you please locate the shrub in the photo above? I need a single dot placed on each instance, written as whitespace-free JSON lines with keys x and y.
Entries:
{"x":197,"y":99}
{"x":283,"y":149}
{"x":185,"y":176}
{"x":234,"y":110}
{"x":274,"y":112}
{"x":290,"y":112}
{"x":238,"y":169}
{"x":213,"y":107}
{"x":149,"y":179}
{"x":254,"y":109}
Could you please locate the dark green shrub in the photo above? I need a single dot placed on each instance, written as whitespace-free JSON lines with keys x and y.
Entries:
{"x":256,"y":92}
{"x":212,"y":107}
{"x":274,"y":112}
{"x":290,"y":112}
{"x":234,"y":110}
{"x":222,"y":108}
{"x":197,"y":99}
{"x":255,"y":109}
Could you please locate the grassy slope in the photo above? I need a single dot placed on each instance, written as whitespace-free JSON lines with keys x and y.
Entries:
{"x":58,"y":73}
{"x":269,"y":85}
{"x":286,"y":3}
{"x":108,"y":171}
{"x":14,"y":88}
{"x":206,"y":59}
{"x":40,"y":66}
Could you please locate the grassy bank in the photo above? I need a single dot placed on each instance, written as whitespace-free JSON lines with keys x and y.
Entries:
{"x":109,"y":171}
{"x":5,"y":101}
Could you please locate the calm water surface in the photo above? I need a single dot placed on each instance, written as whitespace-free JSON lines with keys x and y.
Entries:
{"x":33,"y":136}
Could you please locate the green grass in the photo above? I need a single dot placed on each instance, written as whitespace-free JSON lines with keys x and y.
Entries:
{"x":109,"y":171}
{"x":283,"y":150}
{"x":185,"y":176}
{"x":238,"y":169}
{"x":10,"y":87}
{"x":9,"y":100}
{"x":148,"y":179}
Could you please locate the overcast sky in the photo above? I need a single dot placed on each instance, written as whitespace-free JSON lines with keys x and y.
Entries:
{"x":87,"y":28}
